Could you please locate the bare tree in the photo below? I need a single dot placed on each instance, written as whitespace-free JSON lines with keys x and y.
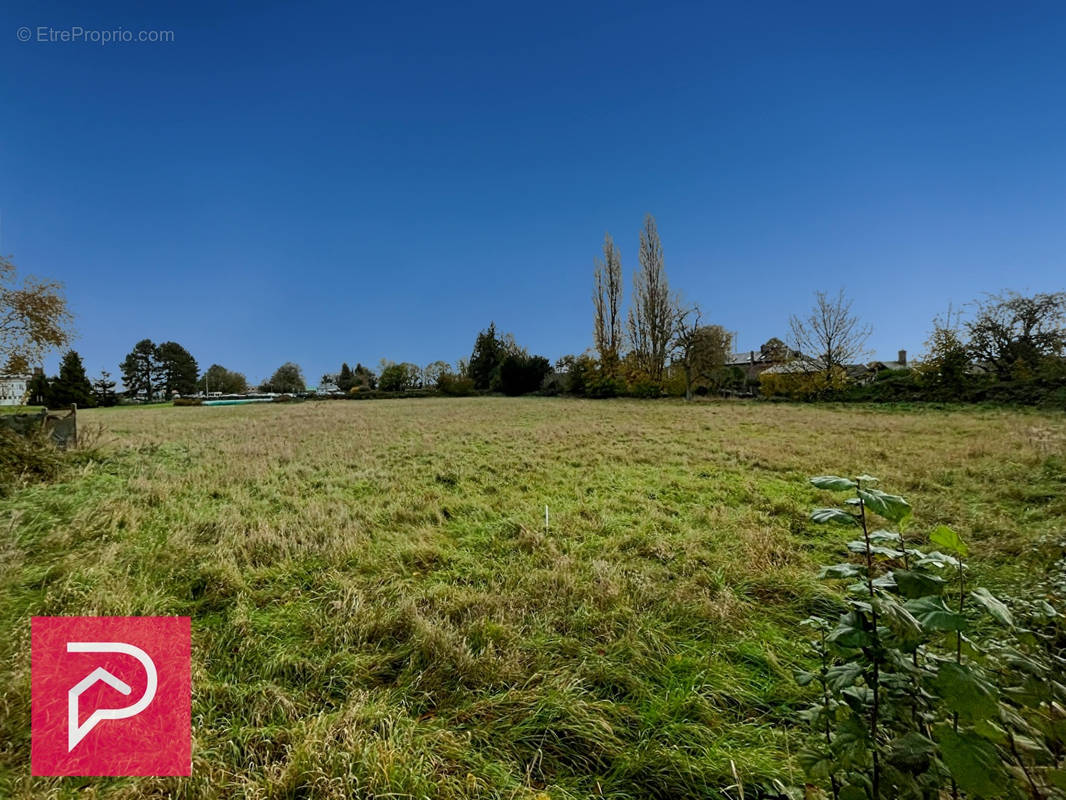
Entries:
{"x":608,"y":303}
{"x":699,"y":349}
{"x":830,"y":334}
{"x":653,"y":312}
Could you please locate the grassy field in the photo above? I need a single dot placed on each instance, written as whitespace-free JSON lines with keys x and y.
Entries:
{"x":378,"y":609}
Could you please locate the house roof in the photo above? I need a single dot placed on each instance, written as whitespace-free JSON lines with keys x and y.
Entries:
{"x":806,"y":365}
{"x":893,"y":365}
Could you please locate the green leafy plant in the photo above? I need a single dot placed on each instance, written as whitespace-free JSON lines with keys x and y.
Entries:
{"x":928,"y":685}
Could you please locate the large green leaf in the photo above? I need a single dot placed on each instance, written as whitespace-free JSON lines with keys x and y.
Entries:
{"x":935,"y":615}
{"x":817,"y":763}
{"x":911,"y":752}
{"x":899,"y":620}
{"x":853,"y":792}
{"x":937,"y":559}
{"x":975,"y":764}
{"x":833,"y":483}
{"x":859,"y":546}
{"x":914,"y":584}
{"x":889,"y":506}
{"x":802,"y":677}
{"x":837,"y":515}
{"x":947,"y":538}
{"x":965,"y":692}
{"x":849,"y":632}
{"x":885,"y":537}
{"x":859,"y":698}
{"x":840,"y":571}
{"x":993,"y":606}
{"x":840,"y":676}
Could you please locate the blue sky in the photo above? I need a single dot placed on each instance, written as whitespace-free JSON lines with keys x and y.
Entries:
{"x":326,"y":182}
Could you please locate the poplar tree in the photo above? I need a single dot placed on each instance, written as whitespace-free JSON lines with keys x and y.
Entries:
{"x":607,"y":300}
{"x":653,"y":312}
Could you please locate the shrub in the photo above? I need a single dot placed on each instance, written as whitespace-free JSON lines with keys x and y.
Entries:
{"x":603,"y":386}
{"x":802,"y":385}
{"x":188,"y":401}
{"x":522,"y":374}
{"x":456,"y":385}
{"x":578,"y":372}
{"x":645,"y":388}
{"x":393,"y":378}
{"x":927,"y":683}
{"x":553,"y":384}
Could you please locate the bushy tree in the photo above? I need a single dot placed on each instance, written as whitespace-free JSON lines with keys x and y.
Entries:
{"x":177,"y":369}
{"x":398,"y":377}
{"x":1014,"y":333}
{"x":455,"y":384}
{"x":699,"y":349}
{"x":433,"y":372}
{"x":34,"y":318}
{"x":363,"y":378}
{"x":581,"y":375}
{"x":776,"y":351}
{"x":140,"y":371}
{"x":219,"y":379}
{"x":71,"y":385}
{"x":287,"y":379}
{"x":947,"y":355}
{"x":522,"y":374}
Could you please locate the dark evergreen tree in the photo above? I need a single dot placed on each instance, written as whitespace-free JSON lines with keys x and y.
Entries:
{"x":344,"y":378}
{"x":489,"y":353}
{"x":39,"y":390}
{"x":140,"y":371}
{"x":363,"y":377}
{"x":104,"y":390}
{"x":72,"y":385}
{"x":177,"y":369}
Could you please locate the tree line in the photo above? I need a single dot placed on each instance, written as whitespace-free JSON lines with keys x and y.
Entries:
{"x":1008,"y":347}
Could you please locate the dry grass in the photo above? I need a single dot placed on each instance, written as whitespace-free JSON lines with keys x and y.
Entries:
{"x":378,"y":610}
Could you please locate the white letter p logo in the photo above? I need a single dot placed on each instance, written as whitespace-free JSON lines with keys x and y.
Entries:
{"x":76,"y":732}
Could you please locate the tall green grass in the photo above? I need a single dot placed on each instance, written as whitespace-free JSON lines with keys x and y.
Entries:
{"x":378,"y":609}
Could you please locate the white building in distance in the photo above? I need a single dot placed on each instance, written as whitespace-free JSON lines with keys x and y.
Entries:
{"x":13,"y":389}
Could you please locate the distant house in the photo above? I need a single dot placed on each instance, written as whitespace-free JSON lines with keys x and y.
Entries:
{"x":899,"y":364}
{"x":805,"y":365}
{"x":13,"y":389}
{"x":752,"y":363}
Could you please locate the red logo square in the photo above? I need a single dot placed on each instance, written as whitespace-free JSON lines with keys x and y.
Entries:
{"x":110,"y":696}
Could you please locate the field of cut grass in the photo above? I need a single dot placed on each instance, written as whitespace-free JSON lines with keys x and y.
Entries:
{"x":378,"y":609}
